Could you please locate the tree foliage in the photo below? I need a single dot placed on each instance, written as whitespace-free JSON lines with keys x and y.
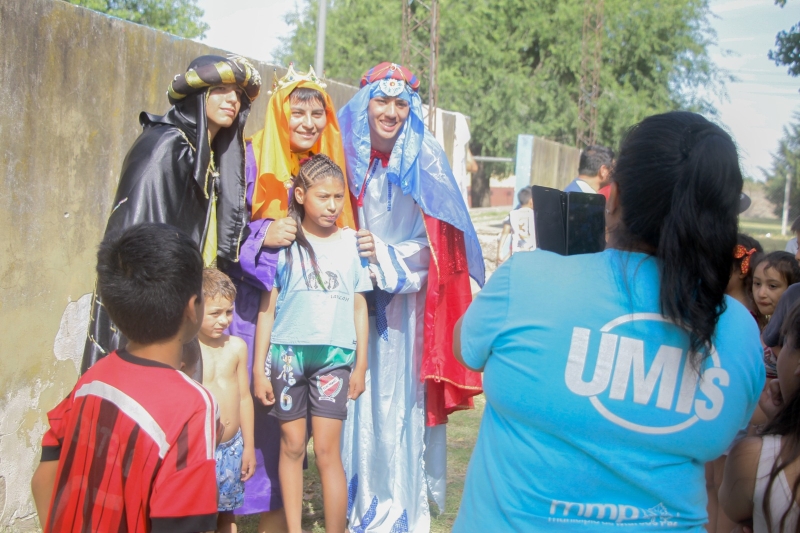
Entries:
{"x":179,"y":17}
{"x":786,"y":163}
{"x":513,"y":66}
{"x":787,"y":47}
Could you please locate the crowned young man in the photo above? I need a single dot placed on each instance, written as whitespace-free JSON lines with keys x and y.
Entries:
{"x":300,"y":121}
{"x":186,"y":169}
{"x":424,"y":249}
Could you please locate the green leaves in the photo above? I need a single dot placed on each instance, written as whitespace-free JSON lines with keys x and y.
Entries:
{"x":787,"y":47}
{"x":513,"y":66}
{"x":785,"y":163}
{"x":179,"y":17}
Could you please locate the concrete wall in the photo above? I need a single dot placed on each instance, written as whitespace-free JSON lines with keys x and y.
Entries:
{"x":546,"y":163}
{"x":73,"y":84}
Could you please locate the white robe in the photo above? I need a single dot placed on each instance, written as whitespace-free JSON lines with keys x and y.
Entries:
{"x":388,"y":453}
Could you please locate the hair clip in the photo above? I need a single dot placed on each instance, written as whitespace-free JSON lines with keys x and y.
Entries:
{"x":740,"y":252}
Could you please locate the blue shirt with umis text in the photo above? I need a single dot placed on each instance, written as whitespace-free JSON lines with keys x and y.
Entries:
{"x":595,"y":417}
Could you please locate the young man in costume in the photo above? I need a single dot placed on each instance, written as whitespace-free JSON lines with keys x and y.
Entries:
{"x":186,"y":169}
{"x":423,"y":252}
{"x":300,"y":121}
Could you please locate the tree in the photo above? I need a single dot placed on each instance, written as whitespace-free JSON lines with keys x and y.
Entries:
{"x":513,"y":66}
{"x":179,"y":17}
{"x":787,"y":47}
{"x":786,"y":163}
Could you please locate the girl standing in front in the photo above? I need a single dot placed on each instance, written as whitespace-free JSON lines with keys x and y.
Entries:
{"x":311,"y":338}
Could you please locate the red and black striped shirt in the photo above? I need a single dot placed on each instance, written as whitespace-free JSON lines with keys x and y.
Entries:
{"x":135,"y":444}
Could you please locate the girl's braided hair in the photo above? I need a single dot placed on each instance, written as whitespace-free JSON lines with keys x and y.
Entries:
{"x":316,"y":168}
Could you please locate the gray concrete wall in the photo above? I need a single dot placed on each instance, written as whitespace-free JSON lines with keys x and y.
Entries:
{"x":73,"y":83}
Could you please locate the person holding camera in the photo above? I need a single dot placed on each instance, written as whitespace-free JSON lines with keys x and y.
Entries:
{"x":612,"y":378}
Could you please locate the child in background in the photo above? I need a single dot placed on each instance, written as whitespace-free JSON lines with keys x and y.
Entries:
{"x":316,"y":321}
{"x":131,"y":448}
{"x":518,"y":234}
{"x":791,"y":245}
{"x":225,"y":375}
{"x":745,"y":255}
{"x":772,"y":276}
{"x":760,"y":485}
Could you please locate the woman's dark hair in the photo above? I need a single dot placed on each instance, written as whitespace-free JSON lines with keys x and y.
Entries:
{"x":679,"y":181}
{"x":146,"y":277}
{"x":304,"y":95}
{"x":524,"y":196}
{"x":786,"y":423}
{"x":784,"y":264}
{"x":316,"y":168}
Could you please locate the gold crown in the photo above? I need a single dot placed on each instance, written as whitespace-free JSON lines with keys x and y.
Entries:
{"x":292,"y":76}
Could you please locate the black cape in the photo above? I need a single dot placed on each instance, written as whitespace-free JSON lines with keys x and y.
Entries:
{"x":166,"y":178}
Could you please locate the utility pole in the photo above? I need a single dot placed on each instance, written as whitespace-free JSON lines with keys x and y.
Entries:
{"x":319,"y":59}
{"x":420,"y":52}
{"x":785,"y":219}
{"x":591,"y":66}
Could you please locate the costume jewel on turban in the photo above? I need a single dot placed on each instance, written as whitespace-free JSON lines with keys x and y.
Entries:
{"x":419,"y":167}
{"x":276,"y":162}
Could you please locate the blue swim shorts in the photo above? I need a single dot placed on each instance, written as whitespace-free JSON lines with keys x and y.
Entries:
{"x":229,"y":473}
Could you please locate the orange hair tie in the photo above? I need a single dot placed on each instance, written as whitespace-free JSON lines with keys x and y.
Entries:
{"x":740,"y":252}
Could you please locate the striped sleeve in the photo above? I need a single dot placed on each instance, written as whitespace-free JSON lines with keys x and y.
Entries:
{"x":54,"y":437}
{"x":184,"y":497}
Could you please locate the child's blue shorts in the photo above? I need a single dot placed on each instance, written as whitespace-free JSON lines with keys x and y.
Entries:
{"x":229,"y":473}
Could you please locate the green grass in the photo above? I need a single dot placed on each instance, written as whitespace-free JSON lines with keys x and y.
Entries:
{"x":462,"y":430}
{"x":759,"y":228}
{"x":489,"y":214}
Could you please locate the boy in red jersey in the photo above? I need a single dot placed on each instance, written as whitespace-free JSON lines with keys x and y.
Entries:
{"x":132,"y":446}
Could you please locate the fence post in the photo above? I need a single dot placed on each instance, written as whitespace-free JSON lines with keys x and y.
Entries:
{"x":785,"y":220}
{"x":524,"y":162}
{"x":319,"y":58}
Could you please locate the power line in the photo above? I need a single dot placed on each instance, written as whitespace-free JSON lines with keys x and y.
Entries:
{"x":421,"y":48}
{"x":591,"y":66}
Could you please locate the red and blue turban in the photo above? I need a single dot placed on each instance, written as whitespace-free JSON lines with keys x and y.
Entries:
{"x":417,"y":165}
{"x":390,"y":71}
{"x":386,"y":80}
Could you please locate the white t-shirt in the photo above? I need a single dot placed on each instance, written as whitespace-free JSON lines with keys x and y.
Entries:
{"x":320,"y":310}
{"x":523,"y":235}
{"x":791,"y":246}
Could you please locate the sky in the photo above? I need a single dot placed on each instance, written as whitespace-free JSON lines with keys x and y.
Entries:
{"x":757,"y":106}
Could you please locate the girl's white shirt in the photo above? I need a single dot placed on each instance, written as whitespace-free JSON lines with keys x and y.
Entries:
{"x":781,"y":495}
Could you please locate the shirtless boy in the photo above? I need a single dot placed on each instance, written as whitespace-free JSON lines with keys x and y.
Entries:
{"x":225,"y":375}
